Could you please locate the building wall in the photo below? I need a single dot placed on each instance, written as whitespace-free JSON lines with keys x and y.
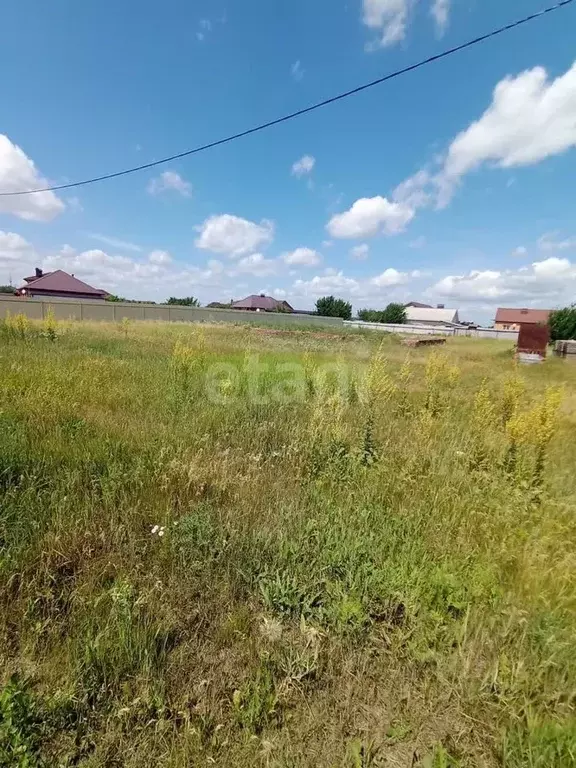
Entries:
{"x":507,"y":326}
{"x":108,"y":311}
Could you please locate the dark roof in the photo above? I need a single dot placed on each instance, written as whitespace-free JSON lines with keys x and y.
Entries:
{"x":513,"y":316}
{"x":267,"y":303}
{"x":36,"y":277}
{"x":61,"y":282}
{"x":418,"y":305}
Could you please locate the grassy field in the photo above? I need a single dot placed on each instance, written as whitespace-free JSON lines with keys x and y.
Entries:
{"x":238,"y":547}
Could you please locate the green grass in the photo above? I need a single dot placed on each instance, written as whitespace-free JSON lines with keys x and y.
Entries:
{"x":198,"y":567}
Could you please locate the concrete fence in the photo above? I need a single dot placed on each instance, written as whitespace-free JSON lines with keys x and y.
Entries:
{"x":435,"y":330}
{"x":109,"y":311}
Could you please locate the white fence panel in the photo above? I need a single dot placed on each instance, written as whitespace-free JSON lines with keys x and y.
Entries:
{"x":436,"y":330}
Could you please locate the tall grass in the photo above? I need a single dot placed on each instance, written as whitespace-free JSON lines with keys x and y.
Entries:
{"x":365,"y":564}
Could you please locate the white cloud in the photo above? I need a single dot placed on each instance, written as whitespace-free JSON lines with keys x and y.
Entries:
{"x":17,"y":173}
{"x":255,"y":264}
{"x":233,"y":235}
{"x":550,"y":242}
{"x":303,"y":166}
{"x":296,"y":71}
{"x":413,"y":191}
{"x":169,"y":181}
{"x":155,"y":277}
{"x":17,"y":258}
{"x":160,"y":257}
{"x":331,"y":282}
{"x":391,"y":277}
{"x":327,"y":243}
{"x":389,"y":17}
{"x":374,"y":288}
{"x":305,"y":257}
{"x":369,"y":216}
{"x":552,"y":280}
{"x":113,"y":242}
{"x":530,"y":118}
{"x":360,"y":252}
{"x":520,"y":251}
{"x":440,"y":11}
{"x":14,"y":247}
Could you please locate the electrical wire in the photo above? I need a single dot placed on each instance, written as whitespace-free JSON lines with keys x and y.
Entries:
{"x":300,"y":112}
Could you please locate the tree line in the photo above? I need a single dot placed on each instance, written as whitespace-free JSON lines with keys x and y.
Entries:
{"x":330,"y":306}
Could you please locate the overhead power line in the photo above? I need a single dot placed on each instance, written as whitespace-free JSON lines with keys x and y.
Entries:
{"x":300,"y":112}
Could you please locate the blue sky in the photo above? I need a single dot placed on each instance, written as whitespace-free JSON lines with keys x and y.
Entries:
{"x":433,"y":186}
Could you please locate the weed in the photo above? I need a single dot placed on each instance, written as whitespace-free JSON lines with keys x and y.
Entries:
{"x":256,"y":702}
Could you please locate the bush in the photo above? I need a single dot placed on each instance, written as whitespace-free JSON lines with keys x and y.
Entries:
{"x":370,"y":315}
{"x":329,"y":306}
{"x":563,"y":323}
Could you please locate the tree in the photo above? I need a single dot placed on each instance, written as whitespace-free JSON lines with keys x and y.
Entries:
{"x":6,"y":289}
{"x":187,"y":301}
{"x":328,"y":306}
{"x":394,"y":313}
{"x":562,"y":323}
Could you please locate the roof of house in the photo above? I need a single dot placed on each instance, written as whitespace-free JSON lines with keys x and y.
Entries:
{"x":32,"y":278}
{"x":267,"y":303}
{"x":418,"y":304}
{"x":61,"y":282}
{"x":513,"y":316}
{"x":431,"y":315}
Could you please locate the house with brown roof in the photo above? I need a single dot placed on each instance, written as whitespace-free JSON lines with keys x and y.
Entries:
{"x":262,"y":303}
{"x":58,"y":285}
{"x":508,"y":319}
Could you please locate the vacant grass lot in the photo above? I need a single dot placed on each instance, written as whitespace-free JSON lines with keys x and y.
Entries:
{"x":233,"y":547}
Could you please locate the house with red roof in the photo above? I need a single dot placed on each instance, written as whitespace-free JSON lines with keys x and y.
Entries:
{"x":58,"y":285}
{"x":508,"y":319}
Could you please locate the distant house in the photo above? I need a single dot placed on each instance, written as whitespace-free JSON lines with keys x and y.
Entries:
{"x":511,"y":319}
{"x":418,"y":305}
{"x":431,"y":316}
{"x":262,"y":303}
{"x":58,"y":285}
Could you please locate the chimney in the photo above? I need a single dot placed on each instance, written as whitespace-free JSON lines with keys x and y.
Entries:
{"x":262,"y":295}
{"x":440,"y":306}
{"x":39,"y":272}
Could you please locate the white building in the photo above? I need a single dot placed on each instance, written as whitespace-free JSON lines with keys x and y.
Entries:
{"x":431,"y":316}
